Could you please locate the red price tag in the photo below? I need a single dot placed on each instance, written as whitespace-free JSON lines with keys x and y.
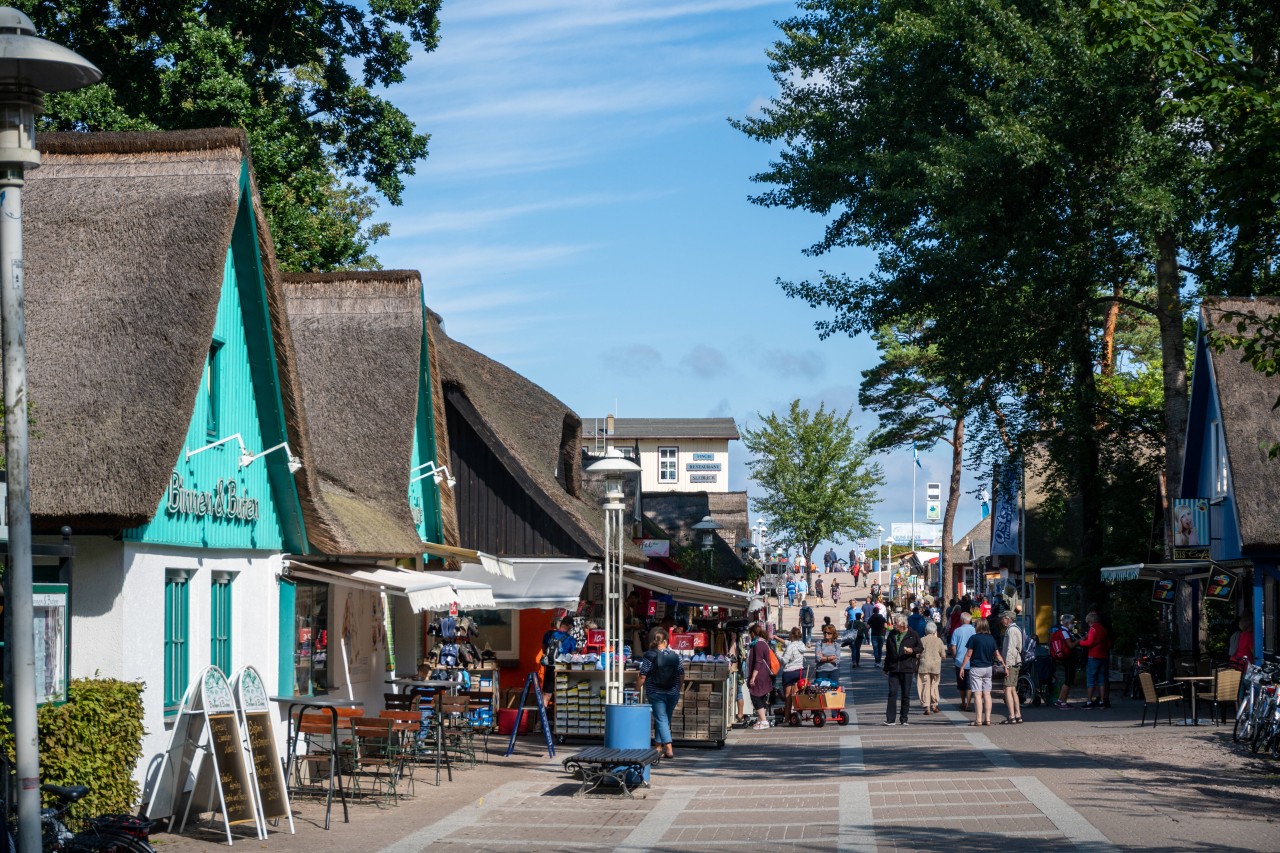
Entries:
{"x":453,"y":609}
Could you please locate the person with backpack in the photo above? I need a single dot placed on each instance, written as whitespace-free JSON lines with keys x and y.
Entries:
{"x":661,"y":675}
{"x":1011,"y":651}
{"x":1062,"y":648}
{"x":876,"y":626}
{"x":762,"y":666}
{"x":555,"y":642}
{"x":806,"y":623}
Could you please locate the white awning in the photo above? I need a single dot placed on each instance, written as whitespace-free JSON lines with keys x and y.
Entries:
{"x":1122,"y":573}
{"x":1188,"y":570}
{"x":539,"y":584}
{"x":491,"y":564}
{"x":690,"y":592}
{"x":425,"y":590}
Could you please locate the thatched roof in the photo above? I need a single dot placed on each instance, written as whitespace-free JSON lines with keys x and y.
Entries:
{"x":979,"y":537}
{"x":1247,"y":400}
{"x":448,"y":505}
{"x":535,"y":435}
{"x":677,"y":512}
{"x":126,"y":237}
{"x":358,"y":339}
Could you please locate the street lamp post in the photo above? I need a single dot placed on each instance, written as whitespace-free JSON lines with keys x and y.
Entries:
{"x":29,"y":68}
{"x":880,"y":545}
{"x":615,"y":467}
{"x":706,"y":536}
{"x":888,"y":542}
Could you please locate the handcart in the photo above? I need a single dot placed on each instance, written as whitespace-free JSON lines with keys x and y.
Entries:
{"x":818,"y":702}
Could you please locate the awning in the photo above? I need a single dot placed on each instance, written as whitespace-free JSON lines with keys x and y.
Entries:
{"x":690,"y":592}
{"x":488,"y":562}
{"x":1187,"y":571}
{"x":538,"y":584}
{"x":425,"y":590}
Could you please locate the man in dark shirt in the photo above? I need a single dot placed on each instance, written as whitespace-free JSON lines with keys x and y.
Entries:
{"x":876,"y":623}
{"x":900,"y":664}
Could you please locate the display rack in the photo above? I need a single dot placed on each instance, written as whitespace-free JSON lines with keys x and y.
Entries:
{"x":579,"y":700}
{"x":705,"y":712}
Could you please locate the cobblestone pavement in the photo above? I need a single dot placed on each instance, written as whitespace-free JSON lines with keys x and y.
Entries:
{"x":1065,"y":780}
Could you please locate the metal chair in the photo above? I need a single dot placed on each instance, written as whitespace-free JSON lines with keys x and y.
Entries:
{"x":479,"y":717}
{"x":1152,"y":695}
{"x":376,"y":755}
{"x":398,"y":701}
{"x":456,"y":728}
{"x":1226,"y":689}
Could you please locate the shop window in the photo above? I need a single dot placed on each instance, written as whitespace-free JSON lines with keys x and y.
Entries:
{"x":220,"y":622}
{"x":499,"y":631}
{"x":668,"y":464}
{"x":212,"y":386}
{"x":310,"y":639}
{"x":175,"y":639}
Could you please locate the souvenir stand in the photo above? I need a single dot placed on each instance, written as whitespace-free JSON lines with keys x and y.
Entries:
{"x":453,"y":656}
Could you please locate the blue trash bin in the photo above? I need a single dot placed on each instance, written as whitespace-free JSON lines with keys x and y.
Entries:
{"x":628,"y":727}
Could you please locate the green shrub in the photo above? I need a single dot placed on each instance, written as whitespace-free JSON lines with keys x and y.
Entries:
{"x":93,"y":739}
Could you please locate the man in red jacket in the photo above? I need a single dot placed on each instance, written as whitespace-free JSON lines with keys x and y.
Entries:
{"x":1098,"y":642}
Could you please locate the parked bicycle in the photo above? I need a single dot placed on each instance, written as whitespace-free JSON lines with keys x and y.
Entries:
{"x":1257,"y":709}
{"x":105,"y":834}
{"x":1150,"y":658}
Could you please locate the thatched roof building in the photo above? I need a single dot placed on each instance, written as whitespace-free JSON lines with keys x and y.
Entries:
{"x":974,"y":545}
{"x":503,"y":426}
{"x":127,"y":238}
{"x":1247,"y":401}
{"x":358,"y":339}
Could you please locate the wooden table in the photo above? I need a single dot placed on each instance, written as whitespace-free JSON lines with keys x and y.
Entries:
{"x":1191,"y":685}
{"x":318,"y":703}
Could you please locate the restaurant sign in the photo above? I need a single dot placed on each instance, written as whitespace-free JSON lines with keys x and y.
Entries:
{"x":702,"y":466}
{"x":702,"y":478}
{"x":224,"y":501}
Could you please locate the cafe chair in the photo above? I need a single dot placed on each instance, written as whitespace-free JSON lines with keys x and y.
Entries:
{"x":398,"y":701}
{"x":407,"y":724}
{"x":376,"y":757}
{"x":459,"y":736}
{"x":1225,"y":691}
{"x":1156,"y":695}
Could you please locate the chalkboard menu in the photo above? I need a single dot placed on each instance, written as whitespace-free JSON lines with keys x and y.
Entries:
{"x":232,"y":774}
{"x":266,"y":764}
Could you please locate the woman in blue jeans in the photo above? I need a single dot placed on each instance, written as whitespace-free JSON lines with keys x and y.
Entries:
{"x":661,"y":673}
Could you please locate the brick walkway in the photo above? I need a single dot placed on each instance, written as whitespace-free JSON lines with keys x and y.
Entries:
{"x":1065,"y":780}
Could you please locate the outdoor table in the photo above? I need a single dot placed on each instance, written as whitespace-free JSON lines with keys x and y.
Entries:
{"x":1191,"y":686}
{"x":438,"y":684}
{"x":319,"y":703}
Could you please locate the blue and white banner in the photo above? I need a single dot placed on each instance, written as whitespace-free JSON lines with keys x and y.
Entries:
{"x":1006,"y":520}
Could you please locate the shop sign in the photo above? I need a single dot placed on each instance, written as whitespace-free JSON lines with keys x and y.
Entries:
{"x":656,"y":547}
{"x":1221,"y":586}
{"x":49,"y":603}
{"x":1190,"y":526}
{"x":224,"y":501}
{"x":702,"y":478}
{"x":1164,"y":591}
{"x":702,"y":466}
{"x":704,"y":457}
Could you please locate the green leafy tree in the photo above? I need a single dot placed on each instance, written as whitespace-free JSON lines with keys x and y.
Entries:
{"x":304,"y":80}
{"x":815,"y":475}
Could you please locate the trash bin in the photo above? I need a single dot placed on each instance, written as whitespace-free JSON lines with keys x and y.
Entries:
{"x":628,"y":727}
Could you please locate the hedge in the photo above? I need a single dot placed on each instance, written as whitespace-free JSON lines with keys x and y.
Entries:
{"x":93,"y":739}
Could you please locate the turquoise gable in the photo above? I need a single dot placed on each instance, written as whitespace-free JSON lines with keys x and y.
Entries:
{"x":211,"y":501}
{"x":424,"y":495}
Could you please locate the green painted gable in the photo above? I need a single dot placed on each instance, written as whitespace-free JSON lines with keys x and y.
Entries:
{"x":211,"y":501}
{"x":424,"y":495}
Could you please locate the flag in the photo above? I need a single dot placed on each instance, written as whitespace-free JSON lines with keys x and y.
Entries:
{"x":916,"y":451}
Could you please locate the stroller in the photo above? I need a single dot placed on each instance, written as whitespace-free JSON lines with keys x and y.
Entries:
{"x":1035,"y":682}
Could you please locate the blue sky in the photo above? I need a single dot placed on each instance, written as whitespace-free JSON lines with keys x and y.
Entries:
{"x":583,"y":216}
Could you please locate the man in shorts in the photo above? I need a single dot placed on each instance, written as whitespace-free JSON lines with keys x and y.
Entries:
{"x":959,"y":645}
{"x":1011,"y":652}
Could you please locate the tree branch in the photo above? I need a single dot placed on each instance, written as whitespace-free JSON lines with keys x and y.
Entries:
{"x":1099,"y":300}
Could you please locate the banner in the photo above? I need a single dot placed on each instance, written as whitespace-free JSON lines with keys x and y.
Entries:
{"x":1220,"y":587}
{"x":1165,"y":591}
{"x":927,"y":535}
{"x":1006,"y":521}
{"x":1189,"y":522}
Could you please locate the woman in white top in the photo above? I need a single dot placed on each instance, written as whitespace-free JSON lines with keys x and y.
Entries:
{"x":792,"y":668}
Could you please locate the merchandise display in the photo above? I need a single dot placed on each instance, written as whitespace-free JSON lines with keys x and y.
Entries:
{"x":579,"y":701}
{"x":705,"y":711}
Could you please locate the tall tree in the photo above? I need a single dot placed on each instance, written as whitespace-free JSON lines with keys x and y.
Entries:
{"x":301,"y":78}
{"x":815,"y":476}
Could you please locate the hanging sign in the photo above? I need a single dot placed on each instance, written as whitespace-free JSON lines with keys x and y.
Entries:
{"x":1220,"y":587}
{"x":453,"y":608}
{"x":1190,"y":525}
{"x":1165,"y":591}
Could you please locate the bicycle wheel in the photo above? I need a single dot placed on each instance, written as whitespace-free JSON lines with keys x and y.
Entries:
{"x":91,"y":841}
{"x":1024,"y":689}
{"x":1243,"y":730}
{"x":1261,"y":727}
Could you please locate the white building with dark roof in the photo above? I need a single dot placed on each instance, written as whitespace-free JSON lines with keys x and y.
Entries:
{"x":674,"y":454}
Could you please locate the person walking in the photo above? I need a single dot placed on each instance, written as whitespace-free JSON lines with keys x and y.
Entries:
{"x":792,"y":669}
{"x":835,"y":592}
{"x":868,"y":607}
{"x":1011,"y":650}
{"x":876,"y":625}
{"x":827,"y":654}
{"x":802,"y":588}
{"x":806,"y":623}
{"x":916,"y":620}
{"x":901,"y":660}
{"x":661,"y":676}
{"x":759,"y":676}
{"x":929,"y":674}
{"x":855,"y":567}
{"x":1062,"y":650}
{"x":875,"y":590}
{"x":1098,"y":643}
{"x":959,"y":645}
{"x":859,"y":637}
{"x":817,"y":590}
{"x":791,"y":592}
{"x":980,"y":659}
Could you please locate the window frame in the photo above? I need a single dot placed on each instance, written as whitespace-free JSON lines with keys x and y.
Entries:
{"x":177,"y":627}
{"x":221,"y":620}
{"x":675,"y":464}
{"x":213,"y":389}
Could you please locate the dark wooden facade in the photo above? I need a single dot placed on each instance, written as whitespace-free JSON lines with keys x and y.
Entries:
{"x":498,"y":506}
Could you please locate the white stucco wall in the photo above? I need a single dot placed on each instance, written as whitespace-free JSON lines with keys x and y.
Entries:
{"x":361,"y":673}
{"x":718,"y":448}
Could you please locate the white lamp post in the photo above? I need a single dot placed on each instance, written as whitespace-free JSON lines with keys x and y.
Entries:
{"x":29,"y":67}
{"x":880,"y":545}
{"x":615,"y":467}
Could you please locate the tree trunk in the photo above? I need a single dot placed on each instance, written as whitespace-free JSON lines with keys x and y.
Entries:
{"x":1087,"y":460}
{"x":1108,"y":365}
{"x":1173,"y":359}
{"x":946,"y":583}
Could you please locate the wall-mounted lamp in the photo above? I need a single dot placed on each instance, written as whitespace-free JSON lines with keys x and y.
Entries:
{"x":436,"y":472}
{"x":247,"y":458}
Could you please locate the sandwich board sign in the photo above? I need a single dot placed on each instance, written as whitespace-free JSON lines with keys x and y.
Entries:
{"x":259,"y":729}
{"x":207,"y":762}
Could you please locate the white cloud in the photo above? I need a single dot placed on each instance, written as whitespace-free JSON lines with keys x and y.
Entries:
{"x":705,"y":362}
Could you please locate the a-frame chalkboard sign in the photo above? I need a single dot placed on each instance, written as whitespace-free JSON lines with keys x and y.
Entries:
{"x":207,"y":765}
{"x":259,"y":728}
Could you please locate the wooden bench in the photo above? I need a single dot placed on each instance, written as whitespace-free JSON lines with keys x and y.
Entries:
{"x":599,"y":764}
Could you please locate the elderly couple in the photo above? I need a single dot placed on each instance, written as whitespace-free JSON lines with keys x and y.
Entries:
{"x":906,"y":653}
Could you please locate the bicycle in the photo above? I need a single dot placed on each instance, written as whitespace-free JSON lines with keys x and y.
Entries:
{"x":1258,"y":689}
{"x":1146,"y":658}
{"x":106,"y":834}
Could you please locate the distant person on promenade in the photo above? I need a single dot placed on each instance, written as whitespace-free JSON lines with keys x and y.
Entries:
{"x":759,"y":676}
{"x":901,"y":660}
{"x":981,"y":659}
{"x":791,"y":592}
{"x":876,"y":626}
{"x":1011,"y":649}
{"x":1098,"y":643}
{"x":859,"y":637}
{"x":792,"y":670}
{"x":817,"y":590}
{"x":932,"y":650}
{"x":1062,"y":650}
{"x":802,"y":588}
{"x":806,"y":623}
{"x":959,"y":645}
